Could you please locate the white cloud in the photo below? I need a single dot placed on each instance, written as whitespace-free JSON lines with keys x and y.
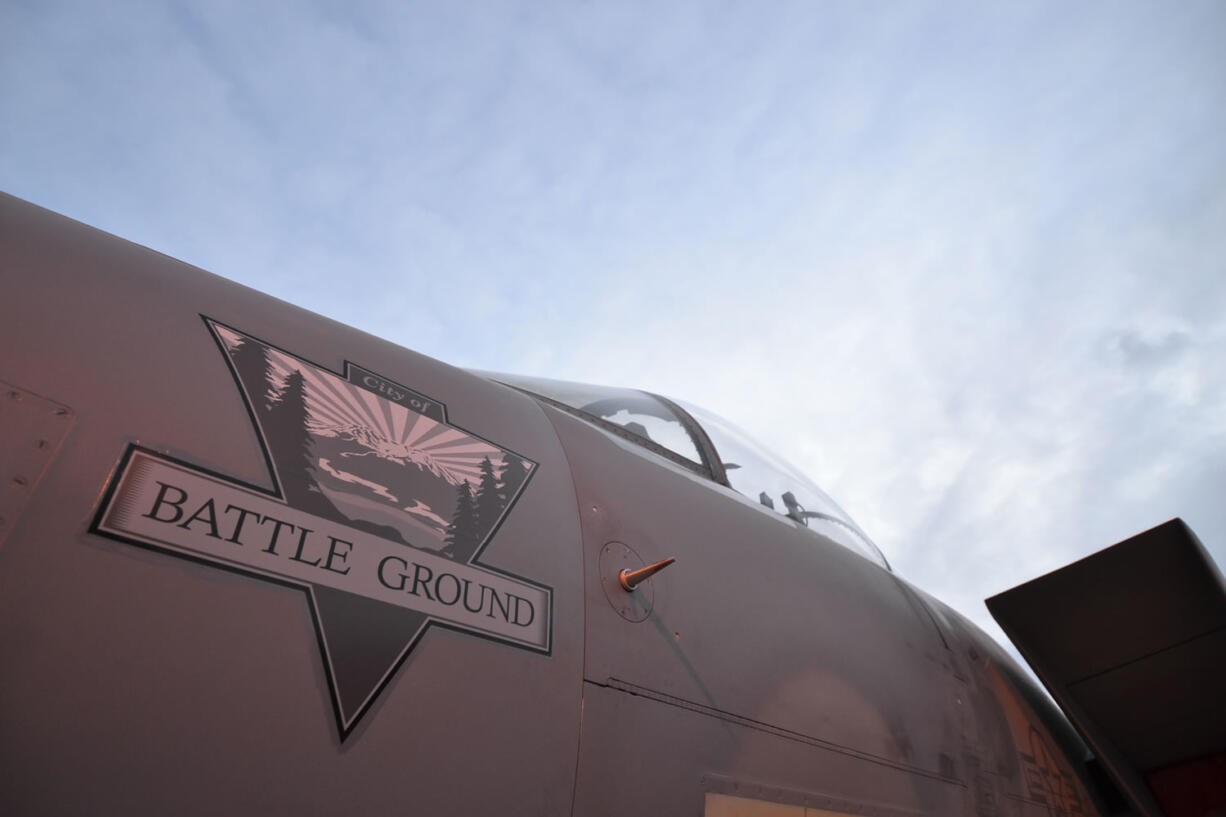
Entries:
{"x":964,"y":266}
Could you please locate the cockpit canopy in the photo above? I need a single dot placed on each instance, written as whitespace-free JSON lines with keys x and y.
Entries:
{"x":707,"y":444}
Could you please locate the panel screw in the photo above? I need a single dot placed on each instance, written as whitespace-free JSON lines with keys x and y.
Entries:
{"x":15,"y":395}
{"x":42,"y":444}
{"x":19,"y":482}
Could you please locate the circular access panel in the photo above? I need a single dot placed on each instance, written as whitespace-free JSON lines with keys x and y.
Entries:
{"x":633,"y":605}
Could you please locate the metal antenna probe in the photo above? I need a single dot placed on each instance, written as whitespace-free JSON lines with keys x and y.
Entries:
{"x":630,"y":579}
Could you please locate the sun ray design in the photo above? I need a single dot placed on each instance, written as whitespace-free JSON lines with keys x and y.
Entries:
{"x":231,"y":339}
{"x":370,"y":425}
{"x":337,"y":408}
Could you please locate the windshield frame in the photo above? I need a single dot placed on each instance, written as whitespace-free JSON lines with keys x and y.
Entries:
{"x":711,"y":467}
{"x":703,"y":469}
{"x":702,"y":440}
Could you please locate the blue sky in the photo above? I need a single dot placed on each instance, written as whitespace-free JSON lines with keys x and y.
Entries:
{"x":965,"y":265}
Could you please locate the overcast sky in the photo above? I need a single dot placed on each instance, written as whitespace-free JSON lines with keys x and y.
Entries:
{"x":965,"y":264}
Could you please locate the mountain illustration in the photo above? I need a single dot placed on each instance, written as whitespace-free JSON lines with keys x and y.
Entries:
{"x":349,"y":455}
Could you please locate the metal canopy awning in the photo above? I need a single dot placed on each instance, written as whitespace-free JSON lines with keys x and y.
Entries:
{"x":1131,"y":643}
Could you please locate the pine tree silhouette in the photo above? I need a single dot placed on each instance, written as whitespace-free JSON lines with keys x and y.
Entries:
{"x":254,"y":370}
{"x":290,"y":444}
{"x":489,"y":504}
{"x":462,"y":534}
{"x":513,"y":475}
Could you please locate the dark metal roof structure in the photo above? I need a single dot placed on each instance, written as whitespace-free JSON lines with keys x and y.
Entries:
{"x":1131,"y":642}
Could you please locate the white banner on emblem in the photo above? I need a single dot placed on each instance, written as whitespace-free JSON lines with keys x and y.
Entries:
{"x":181,"y":509}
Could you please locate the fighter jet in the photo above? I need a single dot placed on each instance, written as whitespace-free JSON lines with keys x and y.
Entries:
{"x":253,"y":561}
